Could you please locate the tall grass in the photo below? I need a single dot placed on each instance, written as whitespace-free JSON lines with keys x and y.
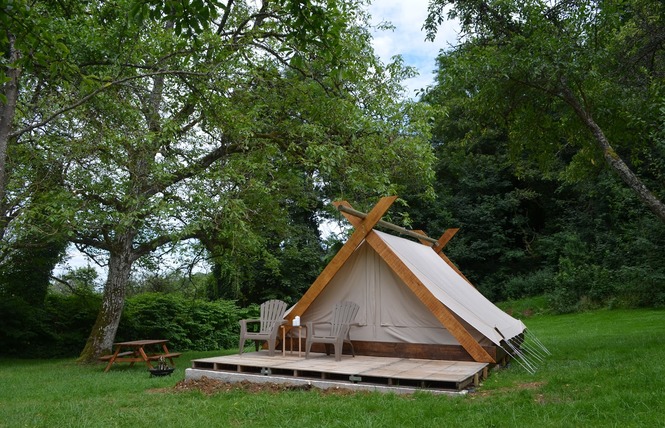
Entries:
{"x":606,"y":369}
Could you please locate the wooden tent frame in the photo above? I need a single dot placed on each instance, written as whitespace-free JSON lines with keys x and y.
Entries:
{"x":363,"y":231}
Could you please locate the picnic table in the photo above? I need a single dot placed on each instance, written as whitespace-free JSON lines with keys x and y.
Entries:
{"x":135,"y":351}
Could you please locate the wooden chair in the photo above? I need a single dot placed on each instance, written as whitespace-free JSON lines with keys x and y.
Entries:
{"x":272,"y":316}
{"x":343,"y":315}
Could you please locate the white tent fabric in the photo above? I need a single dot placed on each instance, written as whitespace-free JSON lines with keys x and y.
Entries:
{"x":454,"y":291}
{"x":391,"y":312}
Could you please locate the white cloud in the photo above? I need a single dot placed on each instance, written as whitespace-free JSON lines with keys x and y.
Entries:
{"x":408,"y":38}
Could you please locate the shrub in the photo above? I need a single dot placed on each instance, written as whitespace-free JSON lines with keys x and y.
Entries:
{"x":22,"y":327}
{"x":70,"y":319}
{"x":187,"y":324}
{"x":641,"y":287}
{"x":62,"y":326}
{"x":59,"y":328}
{"x":535,"y":284}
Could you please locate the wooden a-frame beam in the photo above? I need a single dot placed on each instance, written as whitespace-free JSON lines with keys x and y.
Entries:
{"x":438,"y":309}
{"x":362,"y":228}
{"x":444,"y":239}
{"x":436,"y":244}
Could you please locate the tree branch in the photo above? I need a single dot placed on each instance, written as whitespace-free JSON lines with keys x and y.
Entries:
{"x":611,"y":157}
{"x":92,"y":94}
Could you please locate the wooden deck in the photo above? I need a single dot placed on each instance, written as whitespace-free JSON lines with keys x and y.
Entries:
{"x":361,"y":372}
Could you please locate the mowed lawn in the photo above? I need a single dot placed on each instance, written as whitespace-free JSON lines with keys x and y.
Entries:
{"x":607,"y":369}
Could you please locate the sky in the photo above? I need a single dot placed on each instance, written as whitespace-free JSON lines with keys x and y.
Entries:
{"x":408,"y":38}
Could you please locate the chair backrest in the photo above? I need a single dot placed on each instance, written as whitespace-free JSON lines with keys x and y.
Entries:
{"x":272,"y":312}
{"x":344,"y":313}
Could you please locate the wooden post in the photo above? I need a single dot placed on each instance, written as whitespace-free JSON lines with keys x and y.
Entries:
{"x":444,"y":239}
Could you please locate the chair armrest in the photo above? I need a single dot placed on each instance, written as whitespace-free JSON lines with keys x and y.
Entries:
{"x":310,"y":326}
{"x":243,"y":324}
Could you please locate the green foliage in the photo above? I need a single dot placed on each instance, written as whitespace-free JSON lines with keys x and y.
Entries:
{"x":536,"y":283}
{"x":187,"y":324}
{"x":81,"y":280}
{"x":188,"y":18}
{"x":26,"y":271}
{"x":22,"y":327}
{"x":57,"y":328}
{"x":61,"y":327}
{"x":68,"y":322}
{"x":540,"y":213}
{"x":35,"y":242}
{"x":526,"y":307}
{"x":170,"y":122}
{"x":152,"y":279}
{"x":288,"y":259}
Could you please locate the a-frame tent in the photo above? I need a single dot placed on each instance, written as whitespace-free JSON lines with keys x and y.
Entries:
{"x":414,"y":302}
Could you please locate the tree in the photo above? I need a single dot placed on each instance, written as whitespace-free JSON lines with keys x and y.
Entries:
{"x":187,"y":124}
{"x":285,"y":264}
{"x":33,"y":244}
{"x":581,"y":243}
{"x":579,"y":65}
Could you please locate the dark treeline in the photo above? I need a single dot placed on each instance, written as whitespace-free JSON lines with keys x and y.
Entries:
{"x":584,"y":244}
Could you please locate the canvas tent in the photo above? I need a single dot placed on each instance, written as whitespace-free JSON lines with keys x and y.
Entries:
{"x":414,"y":302}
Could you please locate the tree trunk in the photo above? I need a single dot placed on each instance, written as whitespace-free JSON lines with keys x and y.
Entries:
{"x":7,"y":113}
{"x":103,"y":332}
{"x":614,"y":160}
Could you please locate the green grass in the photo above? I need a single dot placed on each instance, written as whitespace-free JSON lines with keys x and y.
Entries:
{"x":606,"y":370}
{"x":526,"y":307}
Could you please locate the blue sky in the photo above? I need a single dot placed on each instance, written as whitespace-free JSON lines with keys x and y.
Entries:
{"x":408,"y":38}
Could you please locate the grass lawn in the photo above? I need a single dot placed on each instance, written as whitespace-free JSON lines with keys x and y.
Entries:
{"x":606,"y":370}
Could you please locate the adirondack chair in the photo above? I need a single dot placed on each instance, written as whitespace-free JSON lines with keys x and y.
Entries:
{"x":272,"y":316}
{"x":343,"y":315}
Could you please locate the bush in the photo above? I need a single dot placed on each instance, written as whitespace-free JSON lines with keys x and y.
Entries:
{"x":70,"y":319}
{"x":582,"y":286}
{"x":62,"y":326}
{"x":59,"y":328}
{"x":187,"y":324}
{"x":535,"y":284}
{"x":22,"y":327}
{"x":642,"y":287}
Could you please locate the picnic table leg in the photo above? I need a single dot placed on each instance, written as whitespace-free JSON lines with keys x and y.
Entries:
{"x":136,"y":354}
{"x":112,"y":360}
{"x":166,"y":351}
{"x":145,"y":357}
